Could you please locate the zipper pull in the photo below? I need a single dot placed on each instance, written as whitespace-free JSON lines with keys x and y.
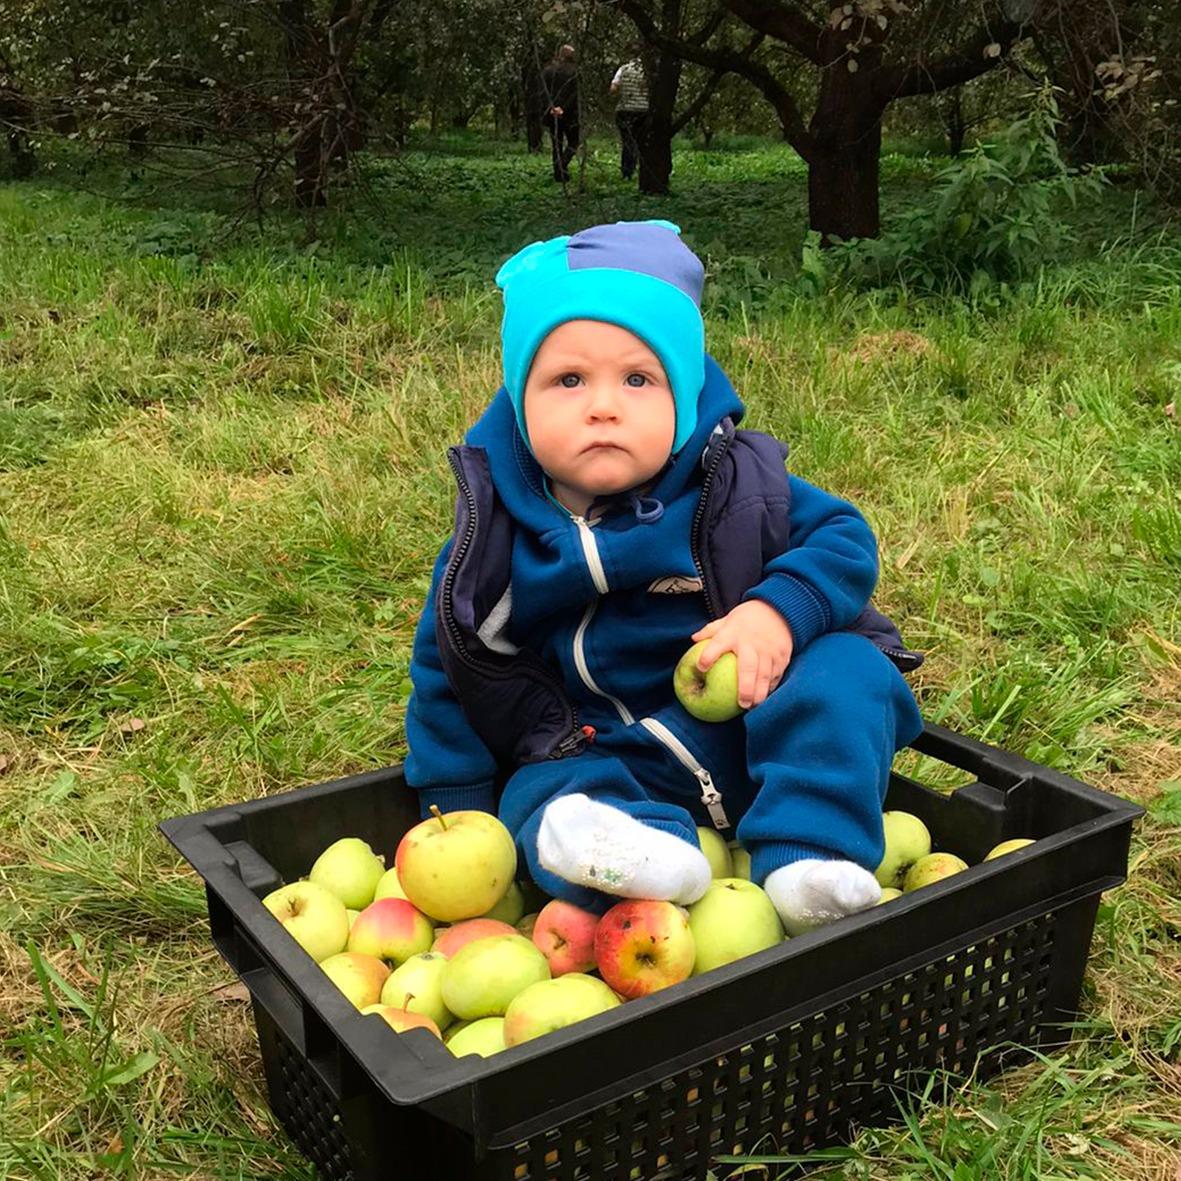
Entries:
{"x":574,"y":742}
{"x":712,"y":799}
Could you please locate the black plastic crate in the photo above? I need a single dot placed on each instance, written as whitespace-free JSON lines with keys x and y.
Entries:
{"x":784,"y":1051}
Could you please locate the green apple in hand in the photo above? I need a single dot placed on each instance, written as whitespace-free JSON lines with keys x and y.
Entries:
{"x":710,"y":696}
{"x":314,"y":917}
{"x":350,"y":869}
{"x":907,"y":839}
{"x":732,"y":919}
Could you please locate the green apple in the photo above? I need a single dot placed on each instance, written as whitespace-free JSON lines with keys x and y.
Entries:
{"x":710,"y":696}
{"x":359,"y":977}
{"x":926,"y":871}
{"x":717,"y":852}
{"x":314,"y":917}
{"x":741,"y":860}
{"x":417,"y":985}
{"x":510,"y":908}
{"x":457,"y":866}
{"x":1008,"y":847}
{"x":388,"y":886}
{"x":350,"y":869}
{"x":553,"y":1004}
{"x":484,"y":1037}
{"x":907,"y":839}
{"x":889,"y":893}
{"x":483,"y":977}
{"x":353,"y":916}
{"x":526,"y":923}
{"x":732,"y":919}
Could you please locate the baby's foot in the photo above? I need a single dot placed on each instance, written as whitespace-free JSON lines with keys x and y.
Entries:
{"x":596,"y":845}
{"x":812,"y":892}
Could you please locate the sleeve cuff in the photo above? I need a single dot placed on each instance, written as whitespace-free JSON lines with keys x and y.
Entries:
{"x":479,"y":797}
{"x":807,"y":614}
{"x":768,"y":856}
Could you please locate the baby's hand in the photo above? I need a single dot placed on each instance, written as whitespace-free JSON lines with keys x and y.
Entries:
{"x":759,"y":636}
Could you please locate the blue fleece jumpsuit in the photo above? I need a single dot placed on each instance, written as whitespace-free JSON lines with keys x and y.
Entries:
{"x":610,"y":605}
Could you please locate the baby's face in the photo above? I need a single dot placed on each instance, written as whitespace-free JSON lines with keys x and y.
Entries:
{"x":599,"y":411}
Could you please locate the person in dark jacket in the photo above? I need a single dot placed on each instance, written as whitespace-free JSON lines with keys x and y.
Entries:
{"x":610,"y":514}
{"x":559,"y":87}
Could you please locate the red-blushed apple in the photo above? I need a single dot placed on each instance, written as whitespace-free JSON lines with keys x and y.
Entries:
{"x":926,"y":871}
{"x":566,"y":936}
{"x":717,"y":852}
{"x":1007,"y":847}
{"x":510,"y":908}
{"x":732,"y":919}
{"x":484,"y":1037}
{"x":350,"y":869}
{"x":907,"y":839}
{"x":400,"y":1020}
{"x":314,"y":917}
{"x":711,"y":696}
{"x":457,"y":866}
{"x":451,"y":939}
{"x":391,"y":929}
{"x":554,"y":1004}
{"x":388,"y":886}
{"x":417,"y":985}
{"x":643,"y":946}
{"x":359,"y":977}
{"x":482,"y":978}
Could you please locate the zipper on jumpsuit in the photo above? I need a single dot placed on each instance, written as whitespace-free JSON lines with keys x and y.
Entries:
{"x":710,"y":796}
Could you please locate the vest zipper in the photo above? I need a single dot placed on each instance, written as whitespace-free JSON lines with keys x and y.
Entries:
{"x":695,"y":527}
{"x":577,"y":737}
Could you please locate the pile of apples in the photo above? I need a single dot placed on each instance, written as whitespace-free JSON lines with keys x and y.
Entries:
{"x":441,"y":940}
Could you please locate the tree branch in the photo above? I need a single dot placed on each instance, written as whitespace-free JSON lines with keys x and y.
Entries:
{"x":786,"y":24}
{"x":706,"y":93}
{"x":904,"y":81}
{"x":794,"y":129}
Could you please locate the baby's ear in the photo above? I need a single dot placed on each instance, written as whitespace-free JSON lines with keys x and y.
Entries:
{"x":530,"y":258}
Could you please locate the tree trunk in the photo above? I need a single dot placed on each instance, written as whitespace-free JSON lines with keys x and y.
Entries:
{"x":664,"y":79}
{"x":844,"y":162}
{"x":953,"y":121}
{"x":531,"y":93}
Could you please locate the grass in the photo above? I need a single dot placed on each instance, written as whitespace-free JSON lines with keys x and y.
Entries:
{"x":222,"y":481}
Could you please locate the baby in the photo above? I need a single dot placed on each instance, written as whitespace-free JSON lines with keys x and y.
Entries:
{"x":609,"y":514}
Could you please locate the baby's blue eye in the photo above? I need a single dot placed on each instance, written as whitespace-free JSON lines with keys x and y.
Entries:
{"x":569,"y":380}
{"x":636,"y":380}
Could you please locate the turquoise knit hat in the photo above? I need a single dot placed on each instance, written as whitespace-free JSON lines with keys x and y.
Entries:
{"x":636,"y":274}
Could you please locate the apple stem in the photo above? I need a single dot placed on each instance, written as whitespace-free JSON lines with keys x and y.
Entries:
{"x":406,"y":1002}
{"x":438,"y":815}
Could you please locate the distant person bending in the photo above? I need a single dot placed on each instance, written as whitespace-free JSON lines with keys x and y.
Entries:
{"x":559,"y":85}
{"x":631,"y":115}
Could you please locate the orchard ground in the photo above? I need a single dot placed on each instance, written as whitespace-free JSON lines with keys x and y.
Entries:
{"x":222,"y":483}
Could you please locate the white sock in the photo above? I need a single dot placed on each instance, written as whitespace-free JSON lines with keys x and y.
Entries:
{"x":596,"y":845}
{"x":812,"y":892}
